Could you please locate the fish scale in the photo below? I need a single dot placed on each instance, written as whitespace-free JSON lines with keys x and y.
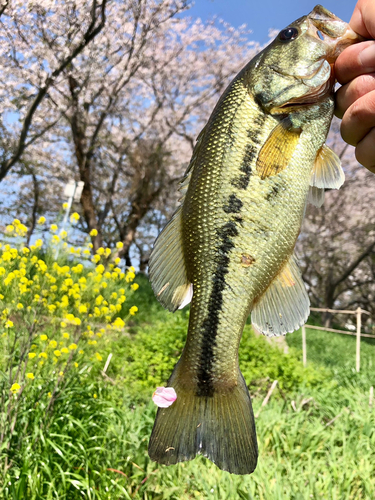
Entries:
{"x":259,"y":159}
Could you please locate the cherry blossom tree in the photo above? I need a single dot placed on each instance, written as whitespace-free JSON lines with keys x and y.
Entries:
{"x":124,"y":114}
{"x":39,"y":40}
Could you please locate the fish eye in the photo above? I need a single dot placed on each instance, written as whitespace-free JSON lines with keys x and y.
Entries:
{"x":288,"y":34}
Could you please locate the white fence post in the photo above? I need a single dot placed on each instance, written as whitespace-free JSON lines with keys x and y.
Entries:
{"x":358,"y":345}
{"x":304,"y":354}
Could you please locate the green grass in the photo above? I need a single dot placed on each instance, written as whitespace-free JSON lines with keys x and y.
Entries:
{"x":316,"y":435}
{"x":337,"y":352}
{"x":300,"y":457}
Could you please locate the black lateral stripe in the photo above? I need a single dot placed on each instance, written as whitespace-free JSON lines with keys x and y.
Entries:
{"x":251,"y":152}
{"x":234,"y":205}
{"x":211,"y":322}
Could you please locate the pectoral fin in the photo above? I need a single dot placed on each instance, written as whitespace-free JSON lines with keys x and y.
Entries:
{"x":277,"y":151}
{"x":285,"y":305}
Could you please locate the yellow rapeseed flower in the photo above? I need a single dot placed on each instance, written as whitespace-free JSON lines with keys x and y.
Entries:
{"x":118,"y":323}
{"x":74,"y":217}
{"x":55,"y":238}
{"x":94,"y":396}
{"x":65,"y":350}
{"x":93,"y":232}
{"x":65,"y":205}
{"x":54,"y":228}
{"x":30,"y":376}
{"x":32,"y":355}
{"x":73,"y":347}
{"x":9,"y":228}
{"x":41,"y":220}
{"x":134,"y":286}
{"x":119,"y":245}
{"x":9,"y":324}
{"x":15,"y":388}
{"x":21,"y":229}
{"x":130,"y":276}
{"x":61,"y":374}
{"x":43,"y":355}
{"x":66,"y":335}
{"x":100,"y":269}
{"x":95,"y":259}
{"x":19,"y":306}
{"x":43,"y":337}
{"x":107,"y":252}
{"x":98,"y":356}
{"x":133,"y":310}
{"x":53,"y":344}
{"x":57,"y":353}
{"x":82,"y":309}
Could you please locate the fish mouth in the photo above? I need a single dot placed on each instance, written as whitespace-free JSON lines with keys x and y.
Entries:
{"x":319,"y":77}
{"x":331,"y":30}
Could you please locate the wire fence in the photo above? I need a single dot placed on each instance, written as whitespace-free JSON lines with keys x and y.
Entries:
{"x":358,"y":312}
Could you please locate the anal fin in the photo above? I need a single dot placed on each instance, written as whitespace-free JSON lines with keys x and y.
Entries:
{"x":284,"y":306}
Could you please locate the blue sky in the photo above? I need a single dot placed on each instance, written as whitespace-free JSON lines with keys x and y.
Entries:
{"x":260,"y":15}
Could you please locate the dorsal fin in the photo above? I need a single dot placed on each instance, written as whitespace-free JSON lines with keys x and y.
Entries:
{"x":285,"y":305}
{"x":167,"y":269}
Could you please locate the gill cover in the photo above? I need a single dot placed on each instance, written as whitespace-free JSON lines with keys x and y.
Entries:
{"x":297,"y":66}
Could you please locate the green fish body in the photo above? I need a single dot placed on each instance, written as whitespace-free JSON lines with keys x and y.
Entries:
{"x":257,"y":161}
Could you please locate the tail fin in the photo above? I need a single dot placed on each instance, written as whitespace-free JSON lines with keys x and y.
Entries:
{"x":220,"y":427}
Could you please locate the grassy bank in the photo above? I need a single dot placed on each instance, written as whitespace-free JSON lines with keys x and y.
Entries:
{"x":316,"y":435}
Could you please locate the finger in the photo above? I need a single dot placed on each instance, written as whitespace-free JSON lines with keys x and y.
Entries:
{"x":363,"y":18}
{"x":365,"y":151}
{"x":352,"y":91}
{"x":355,"y":60}
{"x":359,"y":119}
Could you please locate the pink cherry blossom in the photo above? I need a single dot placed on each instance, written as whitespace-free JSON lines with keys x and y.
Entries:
{"x":164,"y":397}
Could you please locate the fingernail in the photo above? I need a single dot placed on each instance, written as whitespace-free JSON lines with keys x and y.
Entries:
{"x":367,"y":57}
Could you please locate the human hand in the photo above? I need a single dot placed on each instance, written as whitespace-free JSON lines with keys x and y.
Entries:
{"x":355,"y":100}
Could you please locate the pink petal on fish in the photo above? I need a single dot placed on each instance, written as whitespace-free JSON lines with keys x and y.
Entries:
{"x":164,"y":397}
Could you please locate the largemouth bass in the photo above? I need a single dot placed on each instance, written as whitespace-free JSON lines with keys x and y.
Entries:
{"x":230,"y":245}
